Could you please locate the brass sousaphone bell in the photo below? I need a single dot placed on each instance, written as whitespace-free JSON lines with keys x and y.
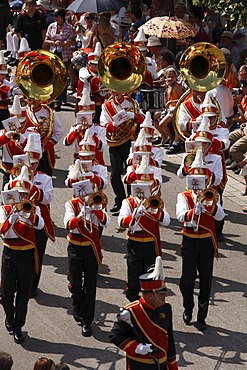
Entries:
{"x":41,"y":75}
{"x":122,"y":67}
{"x":202,"y":67}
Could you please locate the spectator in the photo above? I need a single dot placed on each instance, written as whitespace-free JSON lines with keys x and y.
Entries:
{"x":157,"y":9}
{"x":136,"y":15}
{"x":44,"y":363}
{"x":180,"y":11}
{"x":226,"y":41}
{"x":45,"y":7}
{"x":6,"y":361}
{"x":216,"y":24}
{"x":83,"y":33}
{"x":60,"y":38}
{"x":31,"y":24}
{"x":4,"y":20}
{"x":103,"y":33}
{"x":124,"y":27}
{"x":155,"y":47}
{"x":165,"y":60}
{"x":197,"y":20}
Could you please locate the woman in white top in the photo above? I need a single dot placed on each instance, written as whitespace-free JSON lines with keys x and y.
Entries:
{"x":83,"y":32}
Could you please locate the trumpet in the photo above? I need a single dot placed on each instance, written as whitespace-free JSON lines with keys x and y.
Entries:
{"x":205,"y":197}
{"x":153,"y":204}
{"x":97,"y":200}
{"x":26,"y":207}
{"x":15,"y":136}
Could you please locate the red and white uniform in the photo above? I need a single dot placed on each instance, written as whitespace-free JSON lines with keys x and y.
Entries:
{"x":98,"y":134}
{"x":188,"y":111}
{"x":130,"y":175}
{"x":99,"y":178}
{"x":94,"y":86}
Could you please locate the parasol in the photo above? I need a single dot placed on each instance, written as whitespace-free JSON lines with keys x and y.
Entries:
{"x":168,"y":28}
{"x":94,"y":6}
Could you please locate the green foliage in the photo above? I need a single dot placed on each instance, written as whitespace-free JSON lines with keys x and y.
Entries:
{"x":231,"y":9}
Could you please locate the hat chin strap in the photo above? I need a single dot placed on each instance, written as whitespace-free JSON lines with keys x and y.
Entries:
{"x":157,"y":297}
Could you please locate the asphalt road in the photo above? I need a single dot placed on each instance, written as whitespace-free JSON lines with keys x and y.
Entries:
{"x":51,"y":331}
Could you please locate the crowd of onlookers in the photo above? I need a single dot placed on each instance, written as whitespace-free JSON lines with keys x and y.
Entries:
{"x":43,"y":363}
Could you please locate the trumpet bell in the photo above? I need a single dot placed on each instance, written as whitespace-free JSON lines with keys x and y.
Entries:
{"x":122,"y":67}
{"x":202,"y":66}
{"x":41,"y":75}
{"x":208,"y":197}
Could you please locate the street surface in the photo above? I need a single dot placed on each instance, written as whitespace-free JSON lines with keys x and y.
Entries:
{"x":51,"y":331}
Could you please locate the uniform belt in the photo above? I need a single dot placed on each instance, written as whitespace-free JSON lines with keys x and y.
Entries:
{"x":4,"y":107}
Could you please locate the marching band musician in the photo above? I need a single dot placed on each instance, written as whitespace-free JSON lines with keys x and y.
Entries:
{"x":190,"y":109}
{"x":199,"y":244}
{"x":156,"y":151}
{"x":19,"y":256}
{"x":43,"y":189}
{"x":142,"y":152}
{"x":84,"y":252}
{"x":144,"y":328}
{"x":43,"y":119}
{"x":97,"y":173}
{"x":89,"y":79}
{"x":116,"y":112}
{"x":84,"y":121}
{"x":213,"y":161}
{"x":4,"y":90}
{"x":10,"y":146}
{"x":143,"y":235}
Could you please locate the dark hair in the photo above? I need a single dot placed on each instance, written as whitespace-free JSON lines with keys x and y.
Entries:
{"x":61,"y":366}
{"x":59,"y":12}
{"x":167,"y":56}
{"x":43,"y":363}
{"x":136,"y":10}
{"x":6,"y":361}
{"x":198,"y":12}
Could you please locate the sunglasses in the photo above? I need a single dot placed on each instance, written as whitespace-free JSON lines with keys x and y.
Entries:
{"x":92,"y":18}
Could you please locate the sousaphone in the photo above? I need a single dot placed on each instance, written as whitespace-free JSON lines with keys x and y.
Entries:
{"x":41,"y":75}
{"x":202,"y":67}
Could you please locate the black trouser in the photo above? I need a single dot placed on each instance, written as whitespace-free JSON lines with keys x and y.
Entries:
{"x":41,"y":241}
{"x":44,"y":165}
{"x":118,"y":158}
{"x":83,"y":272}
{"x":139,"y":258}
{"x":16,"y":275}
{"x":198,"y":257}
{"x":4,"y":114}
{"x":6,"y":177}
{"x":135,"y":365}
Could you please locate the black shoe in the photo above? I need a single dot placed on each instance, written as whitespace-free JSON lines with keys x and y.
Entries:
{"x":87,"y":331}
{"x":187,"y":317}
{"x":220,"y":237}
{"x":232,"y":166}
{"x":7,"y":53}
{"x":201,"y":325}
{"x":228,"y":161}
{"x":76,"y":316}
{"x":33,"y":294}
{"x":18,"y":337}
{"x":8,"y":325}
{"x":14,"y":63}
{"x":115,"y":208}
{"x":157,"y":140}
{"x":237,"y":172}
{"x":57,"y":107}
{"x":174,"y":149}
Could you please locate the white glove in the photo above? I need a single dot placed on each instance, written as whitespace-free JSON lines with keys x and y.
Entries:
{"x":197,"y":208}
{"x":203,"y":209}
{"x":143,"y":349}
{"x":22,"y":139}
{"x":9,"y":133}
{"x":130,"y":115}
{"x":78,"y":127}
{"x":13,"y":218}
{"x":138,"y":211}
{"x":85,"y":211}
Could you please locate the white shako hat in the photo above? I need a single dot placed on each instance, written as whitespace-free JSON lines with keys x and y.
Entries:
{"x":141,"y":144}
{"x":98,"y":49}
{"x":21,"y":182}
{"x":17,"y":109}
{"x":76,"y":173}
{"x":140,"y":40}
{"x":198,"y":161}
{"x":154,"y":279}
{"x":208,"y":107}
{"x":3,"y":64}
{"x":87,"y":146}
{"x":33,"y":147}
{"x":204,"y":133}
{"x":86,"y":104}
{"x":144,"y":173}
{"x":147,"y":125}
{"x":24,"y":48}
